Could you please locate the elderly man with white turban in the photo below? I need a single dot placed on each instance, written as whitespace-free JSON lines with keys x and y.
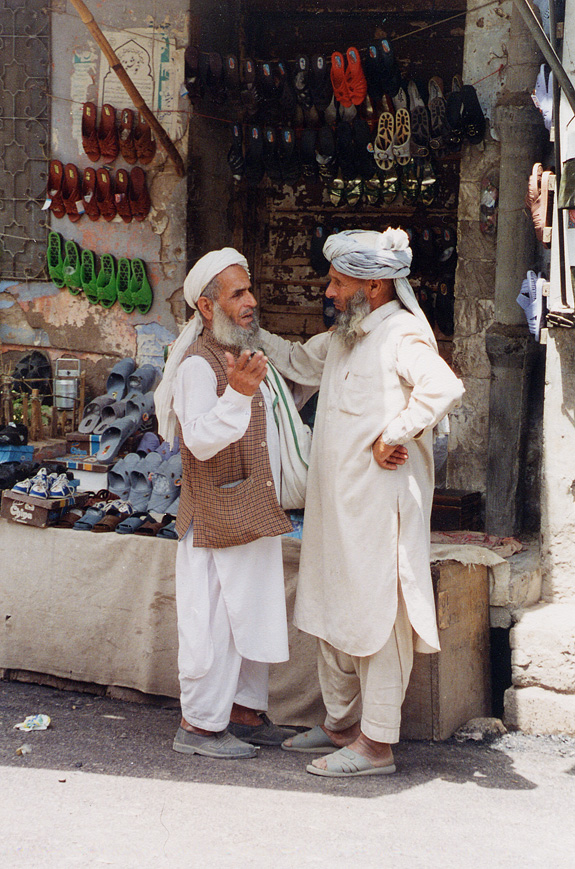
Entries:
{"x":364,"y":584}
{"x":229,"y":573}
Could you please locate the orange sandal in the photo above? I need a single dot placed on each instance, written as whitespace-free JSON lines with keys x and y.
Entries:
{"x":355,"y":77}
{"x":339,"y":80}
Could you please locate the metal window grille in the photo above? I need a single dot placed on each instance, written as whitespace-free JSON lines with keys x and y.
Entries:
{"x":24,"y":137}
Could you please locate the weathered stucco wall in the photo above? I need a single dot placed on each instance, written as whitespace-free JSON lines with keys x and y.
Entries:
{"x":38,"y":314}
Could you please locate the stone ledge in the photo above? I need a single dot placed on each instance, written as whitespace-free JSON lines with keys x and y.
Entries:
{"x":537,"y":711}
{"x":543,"y":648}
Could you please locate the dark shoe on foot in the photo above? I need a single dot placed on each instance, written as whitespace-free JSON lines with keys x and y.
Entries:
{"x":265,"y":733}
{"x":222,"y":745}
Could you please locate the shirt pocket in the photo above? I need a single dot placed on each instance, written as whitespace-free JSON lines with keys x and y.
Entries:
{"x":358,"y":394}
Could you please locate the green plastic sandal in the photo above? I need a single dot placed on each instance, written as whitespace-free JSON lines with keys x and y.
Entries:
{"x":140,"y":289}
{"x":88,"y":276}
{"x":54,"y":259}
{"x":106,"y":283}
{"x":72,"y":267}
{"x":123,"y":284}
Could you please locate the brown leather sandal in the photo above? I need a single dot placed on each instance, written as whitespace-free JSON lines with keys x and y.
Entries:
{"x":89,"y":132}
{"x":145,"y":145}
{"x":126,"y":138}
{"x":91,"y":208}
{"x":105,"y":194}
{"x":71,"y":192}
{"x":139,"y":197}
{"x":54,"y":188}
{"x":108,"y":133}
{"x":122,"y":195}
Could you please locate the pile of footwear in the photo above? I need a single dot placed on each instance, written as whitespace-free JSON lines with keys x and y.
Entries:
{"x":97,"y":193}
{"x":126,"y":408}
{"x":104,"y":513}
{"x":124,"y":280}
{"x":131,"y":137}
{"x":351,"y":122}
{"x":46,"y":485}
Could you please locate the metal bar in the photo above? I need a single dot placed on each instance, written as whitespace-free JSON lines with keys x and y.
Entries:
{"x":549,"y":53}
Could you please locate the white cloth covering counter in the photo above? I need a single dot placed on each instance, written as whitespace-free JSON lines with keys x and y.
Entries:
{"x":251,"y":576}
{"x":391,"y":382}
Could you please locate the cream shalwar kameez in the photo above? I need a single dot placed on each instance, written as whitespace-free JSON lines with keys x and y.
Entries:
{"x":230,"y":601}
{"x":366,"y":529}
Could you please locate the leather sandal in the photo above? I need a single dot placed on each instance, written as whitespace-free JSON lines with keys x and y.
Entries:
{"x":108,"y":133}
{"x":91,"y":209}
{"x":122,"y":195}
{"x":54,"y":188}
{"x":126,"y":137}
{"x":89,"y":132}
{"x":71,"y":193}
{"x":138,"y":195}
{"x":145,"y":144}
{"x":104,"y":194}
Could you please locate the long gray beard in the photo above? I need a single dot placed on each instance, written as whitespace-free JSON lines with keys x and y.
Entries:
{"x":228,"y":333}
{"x":348,"y":322}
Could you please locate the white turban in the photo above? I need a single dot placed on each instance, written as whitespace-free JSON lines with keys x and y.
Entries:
{"x":205,"y":270}
{"x":371,"y":255}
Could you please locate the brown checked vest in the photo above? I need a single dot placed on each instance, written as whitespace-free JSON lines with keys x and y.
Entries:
{"x":231,"y":497}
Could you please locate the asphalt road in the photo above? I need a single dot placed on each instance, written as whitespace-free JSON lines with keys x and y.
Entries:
{"x":102,"y":787}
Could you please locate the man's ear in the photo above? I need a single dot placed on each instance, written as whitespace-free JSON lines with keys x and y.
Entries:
{"x":206,"y":308}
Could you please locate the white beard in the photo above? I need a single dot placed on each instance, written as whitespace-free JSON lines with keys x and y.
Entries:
{"x":228,"y":333}
{"x":348,"y":322}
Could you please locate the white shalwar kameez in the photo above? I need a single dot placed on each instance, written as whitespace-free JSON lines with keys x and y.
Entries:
{"x":230,"y":601}
{"x":366,"y":529}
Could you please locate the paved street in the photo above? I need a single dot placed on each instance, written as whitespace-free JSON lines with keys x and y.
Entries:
{"x":102,"y":787}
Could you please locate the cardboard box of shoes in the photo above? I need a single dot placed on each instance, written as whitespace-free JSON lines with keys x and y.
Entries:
{"x":41,"y":500}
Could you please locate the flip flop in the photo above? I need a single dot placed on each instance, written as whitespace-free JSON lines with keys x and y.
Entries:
{"x":401,"y":137}
{"x":113,"y":439}
{"x":143,"y":379}
{"x":347,"y":763}
{"x":166,"y":481}
{"x":383,"y":146}
{"x":93,"y":413}
{"x":119,"y":475}
{"x":314,"y":741}
{"x":117,"y":382}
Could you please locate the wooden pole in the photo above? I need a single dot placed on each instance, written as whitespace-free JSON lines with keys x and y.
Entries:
{"x":133,"y":92}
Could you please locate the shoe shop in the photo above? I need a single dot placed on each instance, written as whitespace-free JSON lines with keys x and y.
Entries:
{"x":136,"y":141}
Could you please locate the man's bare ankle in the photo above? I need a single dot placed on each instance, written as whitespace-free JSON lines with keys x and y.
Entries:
{"x":191,"y":728}
{"x":343,"y":737}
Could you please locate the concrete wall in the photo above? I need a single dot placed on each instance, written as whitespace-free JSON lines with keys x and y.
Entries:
{"x":38,"y":314}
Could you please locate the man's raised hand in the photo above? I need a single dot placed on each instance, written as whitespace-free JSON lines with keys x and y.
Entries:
{"x":247,"y":371}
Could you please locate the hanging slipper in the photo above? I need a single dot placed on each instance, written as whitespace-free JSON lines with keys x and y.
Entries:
{"x":542,"y":95}
{"x":89,"y":202}
{"x":215,"y":78}
{"x":88,"y":276}
{"x":254,"y":164}
{"x":401,"y":137}
{"x":426,"y":299}
{"x":232,"y":75}
{"x":271,"y":156}
{"x":249,"y":93}
{"x":446,"y":247}
{"x":123,"y":285}
{"x":488,"y":201}
{"x":317,"y":260}
{"x":325,"y":153}
{"x":389,"y":186}
{"x":192,"y":78}
{"x":383,"y":146}
{"x":89,"y":132}
{"x":307,"y":154}
{"x":355,"y":77}
{"x":454,"y":130}
{"x":410,"y":184}
{"x":437,"y":108}
{"x":424,"y":243}
{"x":346,"y":150}
{"x":72,"y":267}
{"x":117,"y":382}
{"x":55,"y":260}
{"x":289,"y":160}
{"x":106,"y":281}
{"x":319,"y":82}
{"x":419,"y":146}
{"x":126,"y":137}
{"x":472,"y":117}
{"x":122,"y":195}
{"x":54,"y":189}
{"x":144,"y":143}
{"x":429,"y":183}
{"x":105,"y":194}
{"x":364,"y":148}
{"x":108,"y":134}
{"x":538,"y":200}
{"x":444,"y":305}
{"x":139,"y":287}
{"x":138,"y":196}
{"x":373,"y":74}
{"x":338,"y":79}
{"x":287,"y":99}
{"x":236,"y":154}
{"x":71,"y":192}
{"x":389,"y":70}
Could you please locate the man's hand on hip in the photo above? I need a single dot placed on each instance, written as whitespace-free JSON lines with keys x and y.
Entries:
{"x":247,"y":371}
{"x":389,"y":457}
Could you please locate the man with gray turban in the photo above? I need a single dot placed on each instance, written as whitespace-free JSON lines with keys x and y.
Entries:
{"x":364,"y":584}
{"x":229,"y":573}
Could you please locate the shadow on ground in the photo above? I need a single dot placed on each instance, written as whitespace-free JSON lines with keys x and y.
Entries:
{"x":111,"y":737}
